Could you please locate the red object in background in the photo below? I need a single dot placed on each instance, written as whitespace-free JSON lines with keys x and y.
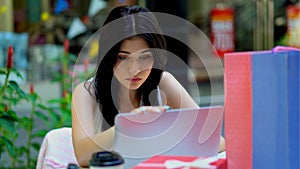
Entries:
{"x":222,"y":30}
{"x":85,"y":19}
{"x":293,"y":25}
{"x":86,"y":63}
{"x":10,"y":60}
{"x":31,"y":88}
{"x":65,"y":93}
{"x":66,"y":46}
{"x":5,"y":108}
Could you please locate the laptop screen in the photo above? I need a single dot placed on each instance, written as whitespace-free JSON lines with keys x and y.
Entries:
{"x":175,"y":132}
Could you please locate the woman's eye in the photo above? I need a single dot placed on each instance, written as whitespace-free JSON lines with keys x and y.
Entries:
{"x":122,"y":57}
{"x":144,"y":57}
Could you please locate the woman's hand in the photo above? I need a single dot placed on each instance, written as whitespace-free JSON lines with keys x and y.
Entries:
{"x":150,"y":109}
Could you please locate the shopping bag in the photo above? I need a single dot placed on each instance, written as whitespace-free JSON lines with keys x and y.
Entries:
{"x":262,"y":109}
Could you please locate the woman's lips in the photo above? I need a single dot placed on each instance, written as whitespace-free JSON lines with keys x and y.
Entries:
{"x":134,"y":80}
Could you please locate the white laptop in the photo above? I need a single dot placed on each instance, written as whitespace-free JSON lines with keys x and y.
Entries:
{"x":190,"y":132}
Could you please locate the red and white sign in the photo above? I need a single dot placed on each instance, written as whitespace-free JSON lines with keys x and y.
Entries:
{"x":222,"y":30}
{"x":293,"y":26}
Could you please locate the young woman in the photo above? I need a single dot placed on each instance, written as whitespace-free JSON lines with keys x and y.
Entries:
{"x":124,"y":81}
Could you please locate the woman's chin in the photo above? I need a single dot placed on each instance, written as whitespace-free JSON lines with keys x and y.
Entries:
{"x":134,"y":86}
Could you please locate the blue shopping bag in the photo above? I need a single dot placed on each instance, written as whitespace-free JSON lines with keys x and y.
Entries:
{"x":275,"y":81}
{"x":271,"y":116}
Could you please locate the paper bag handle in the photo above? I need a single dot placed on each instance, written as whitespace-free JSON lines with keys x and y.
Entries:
{"x":283,"y":48}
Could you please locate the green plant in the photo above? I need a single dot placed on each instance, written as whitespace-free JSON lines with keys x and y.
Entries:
{"x":10,"y":95}
{"x":54,"y":113}
{"x":27,"y":123}
{"x":11,"y":122}
{"x":282,"y":41}
{"x":60,"y":108}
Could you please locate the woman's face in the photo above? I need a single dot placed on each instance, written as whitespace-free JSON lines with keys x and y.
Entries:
{"x":134,"y":62}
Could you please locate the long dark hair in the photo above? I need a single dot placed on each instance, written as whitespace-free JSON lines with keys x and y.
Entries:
{"x":129,"y":21}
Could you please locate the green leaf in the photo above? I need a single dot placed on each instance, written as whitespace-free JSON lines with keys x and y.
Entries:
{"x":20,"y":151}
{"x":41,"y":115}
{"x":17,"y":73}
{"x":7,"y":124}
{"x":55,"y":119}
{"x":14,"y":101}
{"x":13,"y":85}
{"x":33,"y":161}
{"x":43,"y":107}
{"x":10,"y":115}
{"x":36,"y":146}
{"x":25,"y":122}
{"x":9,"y":145}
{"x":2,"y":72}
{"x":54,"y":116}
{"x":40,"y":133}
{"x":32,"y":97}
{"x":55,"y":101}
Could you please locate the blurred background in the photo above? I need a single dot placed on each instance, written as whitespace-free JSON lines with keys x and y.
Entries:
{"x":38,"y":28}
{"x":43,"y":31}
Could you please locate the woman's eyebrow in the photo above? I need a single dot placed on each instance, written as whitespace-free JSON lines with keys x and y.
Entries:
{"x":121,"y":51}
{"x":126,"y":52}
{"x":145,"y":51}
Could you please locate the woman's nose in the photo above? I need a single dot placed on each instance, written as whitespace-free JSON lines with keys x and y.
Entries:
{"x":134,"y":67}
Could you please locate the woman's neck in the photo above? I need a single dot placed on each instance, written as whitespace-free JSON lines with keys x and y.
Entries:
{"x":128,"y":99}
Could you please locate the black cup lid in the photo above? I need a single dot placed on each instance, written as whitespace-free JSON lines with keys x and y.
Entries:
{"x":72,"y":166}
{"x":106,"y":158}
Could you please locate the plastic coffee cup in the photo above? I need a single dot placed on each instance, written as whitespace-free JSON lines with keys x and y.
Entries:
{"x":106,"y":160}
{"x":72,"y":166}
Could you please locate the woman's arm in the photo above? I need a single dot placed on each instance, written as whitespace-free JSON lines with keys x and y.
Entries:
{"x":85,"y":142}
{"x":222,"y":144}
{"x":176,"y":95}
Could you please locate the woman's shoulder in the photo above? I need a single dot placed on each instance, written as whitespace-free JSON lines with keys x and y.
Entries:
{"x":83,"y":89}
{"x":79,"y":87}
{"x":159,"y":74}
{"x":167,"y":79}
{"x":166,"y":76}
{"x":84,"y":84}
